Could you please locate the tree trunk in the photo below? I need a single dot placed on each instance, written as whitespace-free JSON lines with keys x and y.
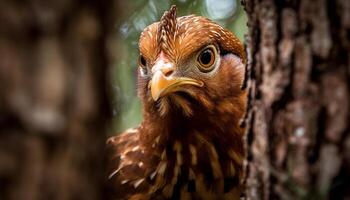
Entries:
{"x":298,"y":128}
{"x":53,"y":99}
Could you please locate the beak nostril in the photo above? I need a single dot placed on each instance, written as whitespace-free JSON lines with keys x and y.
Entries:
{"x":168,"y":72}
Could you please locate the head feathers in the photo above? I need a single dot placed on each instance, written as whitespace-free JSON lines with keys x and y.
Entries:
{"x":179,"y":37}
{"x":166,"y":33}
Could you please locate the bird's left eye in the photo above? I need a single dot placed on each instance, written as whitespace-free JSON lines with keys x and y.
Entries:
{"x":206,"y":59}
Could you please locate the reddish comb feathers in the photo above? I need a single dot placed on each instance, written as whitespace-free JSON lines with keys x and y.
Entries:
{"x":167,"y":32}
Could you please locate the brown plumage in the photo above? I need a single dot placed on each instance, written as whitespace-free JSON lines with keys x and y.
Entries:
{"x":189,"y":145}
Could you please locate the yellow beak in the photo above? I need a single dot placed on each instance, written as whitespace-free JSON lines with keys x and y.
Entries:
{"x":162,"y":85}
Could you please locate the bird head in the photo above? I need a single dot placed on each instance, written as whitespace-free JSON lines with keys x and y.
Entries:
{"x":188,"y":63}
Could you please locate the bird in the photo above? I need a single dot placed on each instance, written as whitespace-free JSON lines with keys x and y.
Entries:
{"x":190,"y":144}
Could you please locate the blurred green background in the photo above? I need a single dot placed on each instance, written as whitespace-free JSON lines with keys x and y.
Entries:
{"x":135,"y":16}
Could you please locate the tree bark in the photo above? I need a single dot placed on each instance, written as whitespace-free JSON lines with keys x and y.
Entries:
{"x":53,"y":98}
{"x":298,"y":128}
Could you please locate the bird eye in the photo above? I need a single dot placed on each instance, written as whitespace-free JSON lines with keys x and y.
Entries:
{"x":206,"y":59}
{"x":142,"y":61}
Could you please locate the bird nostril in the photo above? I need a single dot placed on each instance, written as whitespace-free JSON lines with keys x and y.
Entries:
{"x":168,"y":72}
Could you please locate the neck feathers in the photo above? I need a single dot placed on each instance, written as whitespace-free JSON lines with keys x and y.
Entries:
{"x":197,"y":153}
{"x":219,"y":124}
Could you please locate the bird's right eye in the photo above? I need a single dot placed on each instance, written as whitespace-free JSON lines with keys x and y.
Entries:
{"x":143,"y":65}
{"x":142,"y":61}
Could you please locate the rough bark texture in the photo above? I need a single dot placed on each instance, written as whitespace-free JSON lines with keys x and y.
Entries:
{"x":298,"y":117}
{"x":53,"y":99}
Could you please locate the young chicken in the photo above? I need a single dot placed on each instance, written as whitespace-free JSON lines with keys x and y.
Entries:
{"x":190,"y":144}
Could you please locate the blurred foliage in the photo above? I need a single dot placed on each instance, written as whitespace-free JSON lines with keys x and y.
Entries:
{"x":127,"y":106}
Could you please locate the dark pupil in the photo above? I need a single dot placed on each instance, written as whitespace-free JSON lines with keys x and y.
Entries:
{"x":143,"y":61}
{"x":205,"y":57}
